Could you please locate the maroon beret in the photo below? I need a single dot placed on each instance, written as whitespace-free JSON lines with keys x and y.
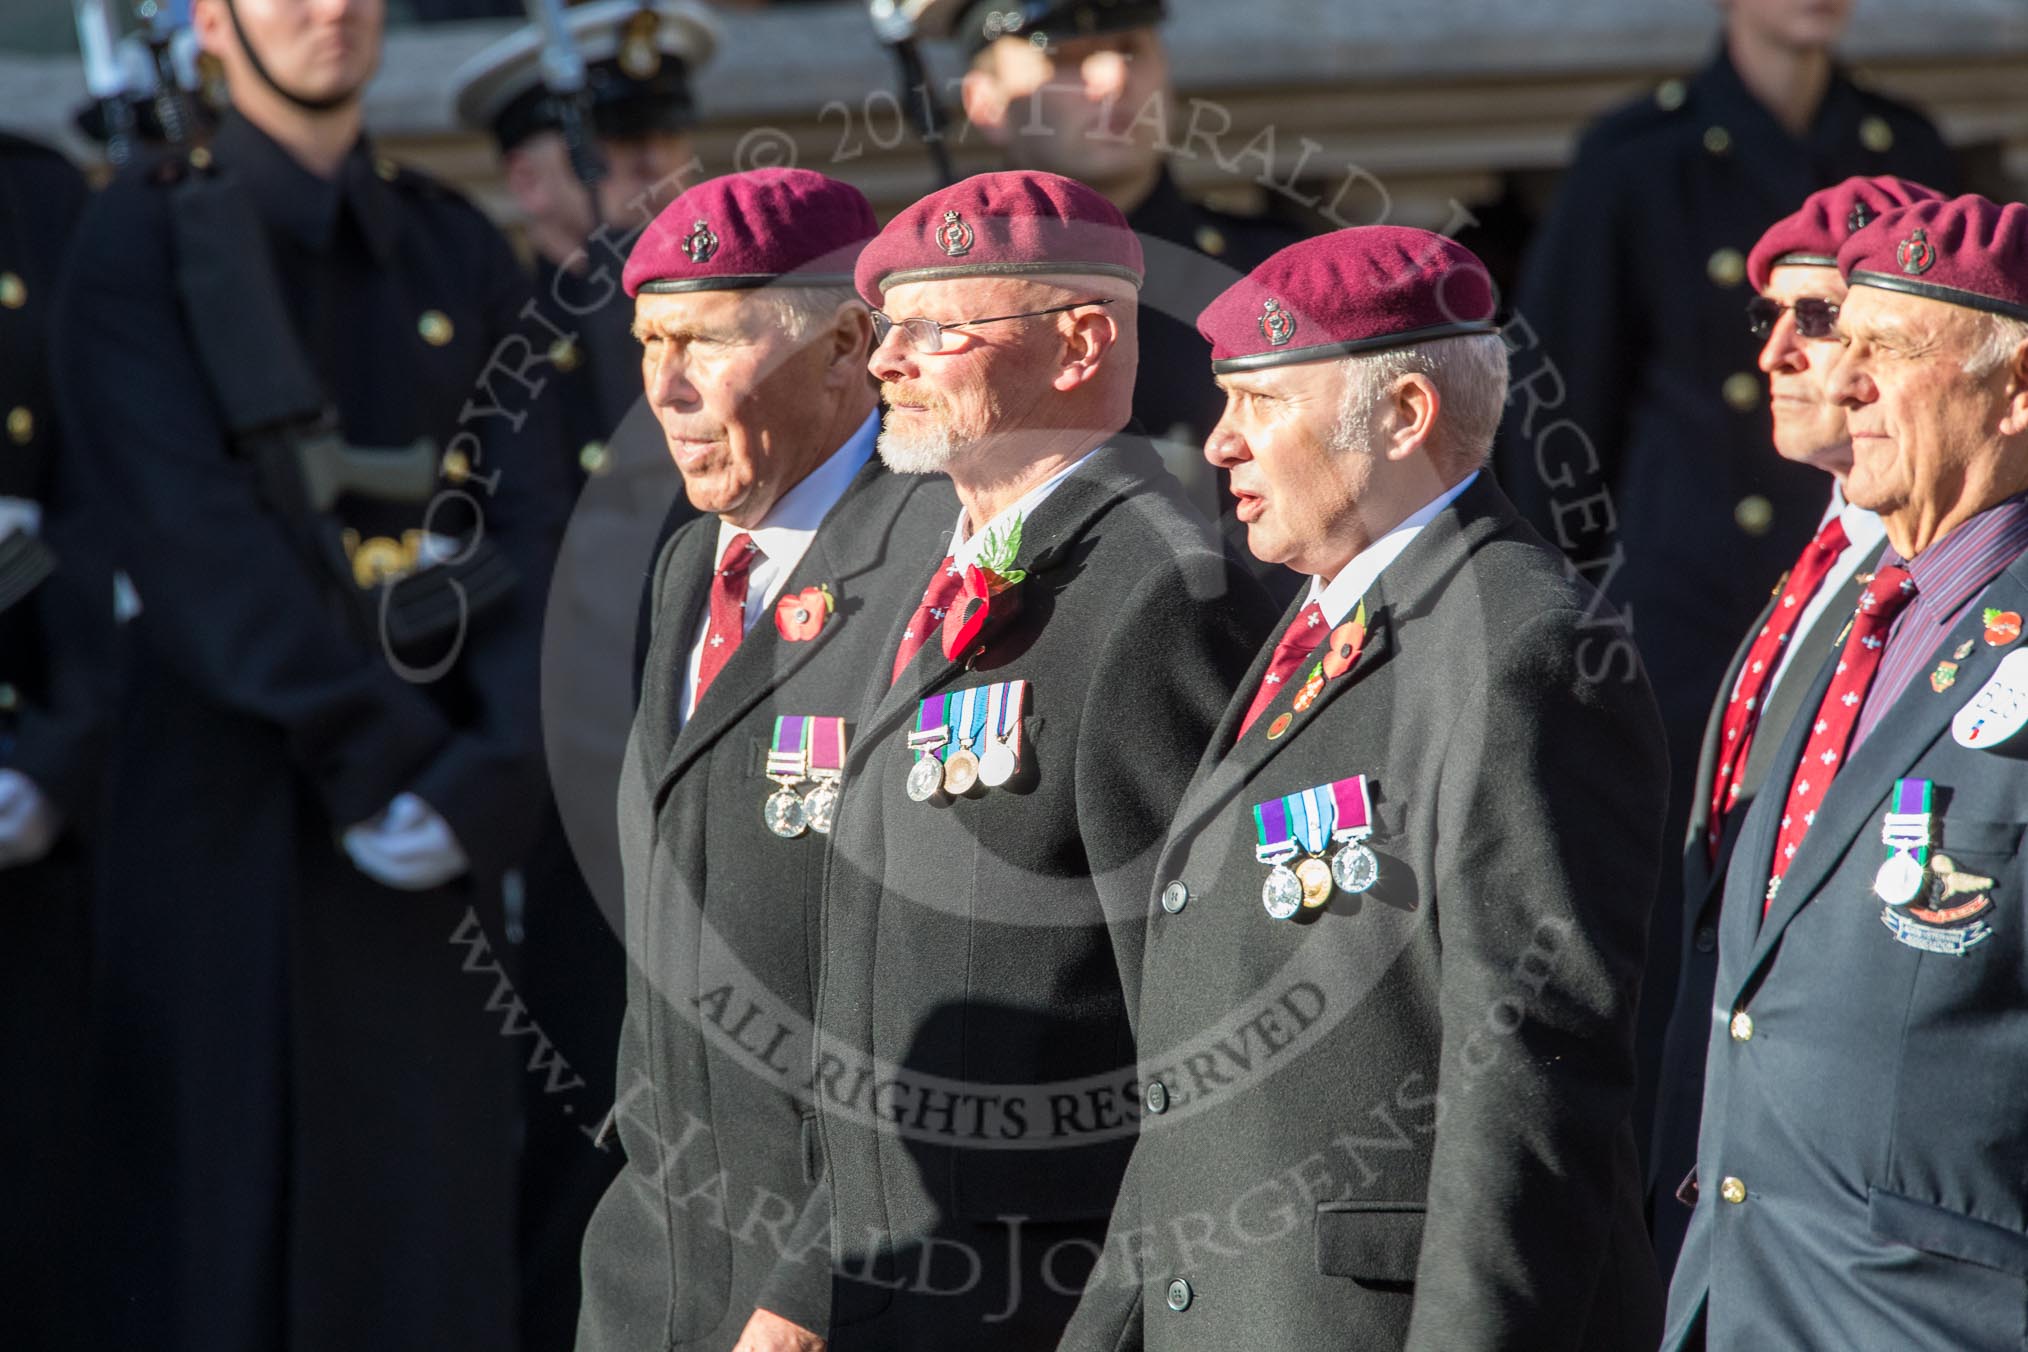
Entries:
{"x":1829,"y":217}
{"x":1966,"y":251}
{"x":747,"y":230}
{"x":1014,"y":224}
{"x":1356,"y":290}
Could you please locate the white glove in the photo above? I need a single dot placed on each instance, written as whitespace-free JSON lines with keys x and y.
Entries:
{"x":29,"y":823}
{"x":408,"y":846}
{"x":19,"y":514}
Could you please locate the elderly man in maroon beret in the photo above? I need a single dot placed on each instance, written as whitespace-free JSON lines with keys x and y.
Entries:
{"x":1859,"y":1176}
{"x":1036,"y":719}
{"x":1794,"y":268}
{"x":1396,"y":929}
{"x":768,"y":613}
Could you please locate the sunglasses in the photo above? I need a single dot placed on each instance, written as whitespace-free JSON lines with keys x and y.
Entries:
{"x":927,"y":335}
{"x":1815,"y":317}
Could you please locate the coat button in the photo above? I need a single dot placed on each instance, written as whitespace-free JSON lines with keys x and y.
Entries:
{"x":1876,"y":135}
{"x":1717,"y":140}
{"x":1742,"y":1027}
{"x":13,"y":291}
{"x":20,"y":425}
{"x":1732,"y":1190}
{"x":435,"y":327}
{"x":1706,"y":938}
{"x":456,"y":466}
{"x":1741,"y":392}
{"x":1754,"y":514}
{"x":1669,"y":95}
{"x":1210,"y":239}
{"x":564,"y":352}
{"x":1157,"y":1097}
{"x":1727,"y":267}
{"x":1179,"y":1294}
{"x":1175,"y":897}
{"x":10,"y":698}
{"x":592,"y":458}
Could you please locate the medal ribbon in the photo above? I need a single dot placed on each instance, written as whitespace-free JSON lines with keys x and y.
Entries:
{"x":1271,"y":826}
{"x":932,"y":732}
{"x":971,"y":718}
{"x":1907,"y":826}
{"x":1312,"y":812}
{"x":827,"y":747}
{"x":790,"y":757}
{"x":1007,"y":724}
{"x":1355,"y":808}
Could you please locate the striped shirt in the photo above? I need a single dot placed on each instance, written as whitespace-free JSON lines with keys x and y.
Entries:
{"x":1949,"y":576}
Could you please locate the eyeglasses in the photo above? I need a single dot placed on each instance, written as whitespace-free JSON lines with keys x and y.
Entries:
{"x":1815,"y":317}
{"x":927,"y":335}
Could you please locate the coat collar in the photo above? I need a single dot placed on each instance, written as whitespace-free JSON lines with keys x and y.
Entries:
{"x":303,"y":204}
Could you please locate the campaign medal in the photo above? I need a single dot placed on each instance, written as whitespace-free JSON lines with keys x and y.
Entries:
{"x":961,"y":767}
{"x":1904,"y":877}
{"x":1355,"y":867}
{"x":931,"y":735}
{"x":788,"y":766}
{"x":1001,"y":756}
{"x":1282,"y":893}
{"x":1312,"y":813}
{"x":827,"y":767}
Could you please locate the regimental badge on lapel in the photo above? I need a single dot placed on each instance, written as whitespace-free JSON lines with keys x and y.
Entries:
{"x":954,"y":237}
{"x":700,"y":244}
{"x":1277,"y":325}
{"x":1944,"y":677}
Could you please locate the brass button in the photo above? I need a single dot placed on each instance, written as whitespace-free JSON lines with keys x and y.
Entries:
{"x":1175,"y":897}
{"x":1742,"y":391}
{"x":566,"y":354}
{"x":13,"y":291}
{"x":1717,"y":140}
{"x":1211,"y":240}
{"x":1727,"y":267}
{"x":20,"y":425}
{"x":10,"y":698}
{"x":200,"y":158}
{"x":1876,"y":135}
{"x":1179,"y":1295}
{"x":1157,"y":1097}
{"x":386,"y":168}
{"x":1742,"y":1027}
{"x":1754,"y":514}
{"x":1732,"y":1190}
{"x":457,"y":466}
{"x":1706,"y":938}
{"x":435,"y":327}
{"x":1669,"y":95}
{"x":594,"y":458}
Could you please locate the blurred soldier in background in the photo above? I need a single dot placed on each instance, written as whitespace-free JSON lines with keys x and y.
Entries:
{"x":639,"y":56}
{"x":1639,"y":432}
{"x":294,"y":370}
{"x":55,"y":612}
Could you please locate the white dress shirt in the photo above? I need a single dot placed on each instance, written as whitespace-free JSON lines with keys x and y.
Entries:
{"x":966,"y":544}
{"x":1864,"y":534}
{"x":783,"y":537}
{"x":1339,"y":597}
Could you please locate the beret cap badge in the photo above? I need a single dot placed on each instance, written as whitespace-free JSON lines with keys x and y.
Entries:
{"x":1859,"y":219}
{"x":954,"y":237}
{"x":1277,"y":325}
{"x":1915,"y":254}
{"x":700,"y":244}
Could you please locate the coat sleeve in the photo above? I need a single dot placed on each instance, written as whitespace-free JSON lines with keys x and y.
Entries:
{"x":1550,"y":811}
{"x":227,"y":600}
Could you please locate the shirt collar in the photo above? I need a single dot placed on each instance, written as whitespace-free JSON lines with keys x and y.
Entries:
{"x":965,"y":549}
{"x":1954,"y":569}
{"x":1338,"y":597}
{"x":1863,"y":529}
{"x":787,"y":528}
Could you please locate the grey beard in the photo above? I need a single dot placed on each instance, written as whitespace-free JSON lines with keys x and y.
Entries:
{"x":917,"y":452}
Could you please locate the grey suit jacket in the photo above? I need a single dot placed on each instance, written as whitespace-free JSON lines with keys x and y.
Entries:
{"x":1402,"y":1120}
{"x":1864,"y":1092}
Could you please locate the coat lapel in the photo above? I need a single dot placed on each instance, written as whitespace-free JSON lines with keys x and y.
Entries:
{"x":1918,"y":716}
{"x":683,"y":599}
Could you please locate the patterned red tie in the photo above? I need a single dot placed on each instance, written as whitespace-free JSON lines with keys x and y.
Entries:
{"x":727,"y":625}
{"x":1302,"y":638}
{"x":1890,"y":590}
{"x":1742,"y":711}
{"x":929,"y":616}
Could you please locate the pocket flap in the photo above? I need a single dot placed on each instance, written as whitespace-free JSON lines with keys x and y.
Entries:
{"x":1952,"y":1234}
{"x":1369,"y":1241}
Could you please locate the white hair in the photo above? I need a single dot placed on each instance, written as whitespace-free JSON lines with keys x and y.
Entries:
{"x":1999,"y":338}
{"x":1470,"y":375}
{"x":799,"y":309}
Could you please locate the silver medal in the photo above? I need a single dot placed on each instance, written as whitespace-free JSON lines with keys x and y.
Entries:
{"x":925,"y":779}
{"x":820,"y":806}
{"x":784,"y":814}
{"x":1282,"y":893}
{"x":1900,"y":880}
{"x":1355,"y":868}
{"x":996,"y":764}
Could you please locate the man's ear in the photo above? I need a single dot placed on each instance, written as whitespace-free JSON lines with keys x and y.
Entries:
{"x":1090,"y":337}
{"x":851,"y":344}
{"x":985,"y":104}
{"x":2014,"y":420}
{"x":1413,"y":405}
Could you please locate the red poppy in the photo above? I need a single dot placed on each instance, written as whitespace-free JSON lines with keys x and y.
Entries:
{"x":1341,"y":650}
{"x":799,"y":617}
{"x":2002,"y":627}
{"x":987,"y":598}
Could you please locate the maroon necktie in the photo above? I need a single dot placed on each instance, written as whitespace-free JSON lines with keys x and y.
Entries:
{"x":1886,"y":595}
{"x":929,"y":616}
{"x":1302,"y":639}
{"x":727,"y":625}
{"x":1756,"y":674}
